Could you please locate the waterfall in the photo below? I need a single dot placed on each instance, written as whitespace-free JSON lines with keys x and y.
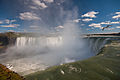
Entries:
{"x":31,"y":54}
{"x":95,"y":44}
{"x":39,"y":41}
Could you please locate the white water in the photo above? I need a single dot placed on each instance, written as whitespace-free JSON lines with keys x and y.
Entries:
{"x":31,"y":54}
{"x":37,"y":53}
{"x":39,"y":41}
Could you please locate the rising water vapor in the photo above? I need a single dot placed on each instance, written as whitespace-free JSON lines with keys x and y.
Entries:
{"x":37,"y":53}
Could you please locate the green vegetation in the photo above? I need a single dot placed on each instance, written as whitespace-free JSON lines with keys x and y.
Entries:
{"x":105,"y":66}
{"x":6,"y":74}
{"x":9,"y":34}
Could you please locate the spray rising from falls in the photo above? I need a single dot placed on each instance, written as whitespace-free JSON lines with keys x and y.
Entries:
{"x":31,"y":54}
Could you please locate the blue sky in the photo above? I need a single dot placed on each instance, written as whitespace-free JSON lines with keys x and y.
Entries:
{"x":37,"y":15}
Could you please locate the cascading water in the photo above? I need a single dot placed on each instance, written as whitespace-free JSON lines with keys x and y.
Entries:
{"x":95,"y":44}
{"x":31,"y":54}
{"x":39,"y":41}
{"x":31,"y":58}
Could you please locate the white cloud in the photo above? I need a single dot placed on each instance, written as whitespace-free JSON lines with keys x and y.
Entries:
{"x":103,"y":23}
{"x":34,"y":26}
{"x":13,"y":21}
{"x":117,"y":15}
{"x":96,"y":25}
{"x":9,"y":21}
{"x":10,"y":25}
{"x":1,"y":22}
{"x":108,"y":22}
{"x":99,"y":25}
{"x":82,"y":24}
{"x":118,"y":27}
{"x":28,"y":16}
{"x":87,"y":20}
{"x":49,"y":1}
{"x":10,"y":31}
{"x":76,"y":21}
{"x":39,"y":3}
{"x":115,"y":22}
{"x":33,"y":7}
{"x":90,"y":14}
{"x":60,"y":27}
{"x":110,"y":28}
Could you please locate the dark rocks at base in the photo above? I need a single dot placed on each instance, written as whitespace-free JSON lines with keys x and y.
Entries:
{"x":6,"y":74}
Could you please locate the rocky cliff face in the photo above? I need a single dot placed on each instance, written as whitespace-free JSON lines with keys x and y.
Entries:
{"x":6,"y":39}
{"x":6,"y":74}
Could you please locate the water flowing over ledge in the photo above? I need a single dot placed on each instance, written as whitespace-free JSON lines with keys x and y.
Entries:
{"x":39,"y":41}
{"x":31,"y":54}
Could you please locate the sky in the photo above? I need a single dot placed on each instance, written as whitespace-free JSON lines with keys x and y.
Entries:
{"x":50,"y":15}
